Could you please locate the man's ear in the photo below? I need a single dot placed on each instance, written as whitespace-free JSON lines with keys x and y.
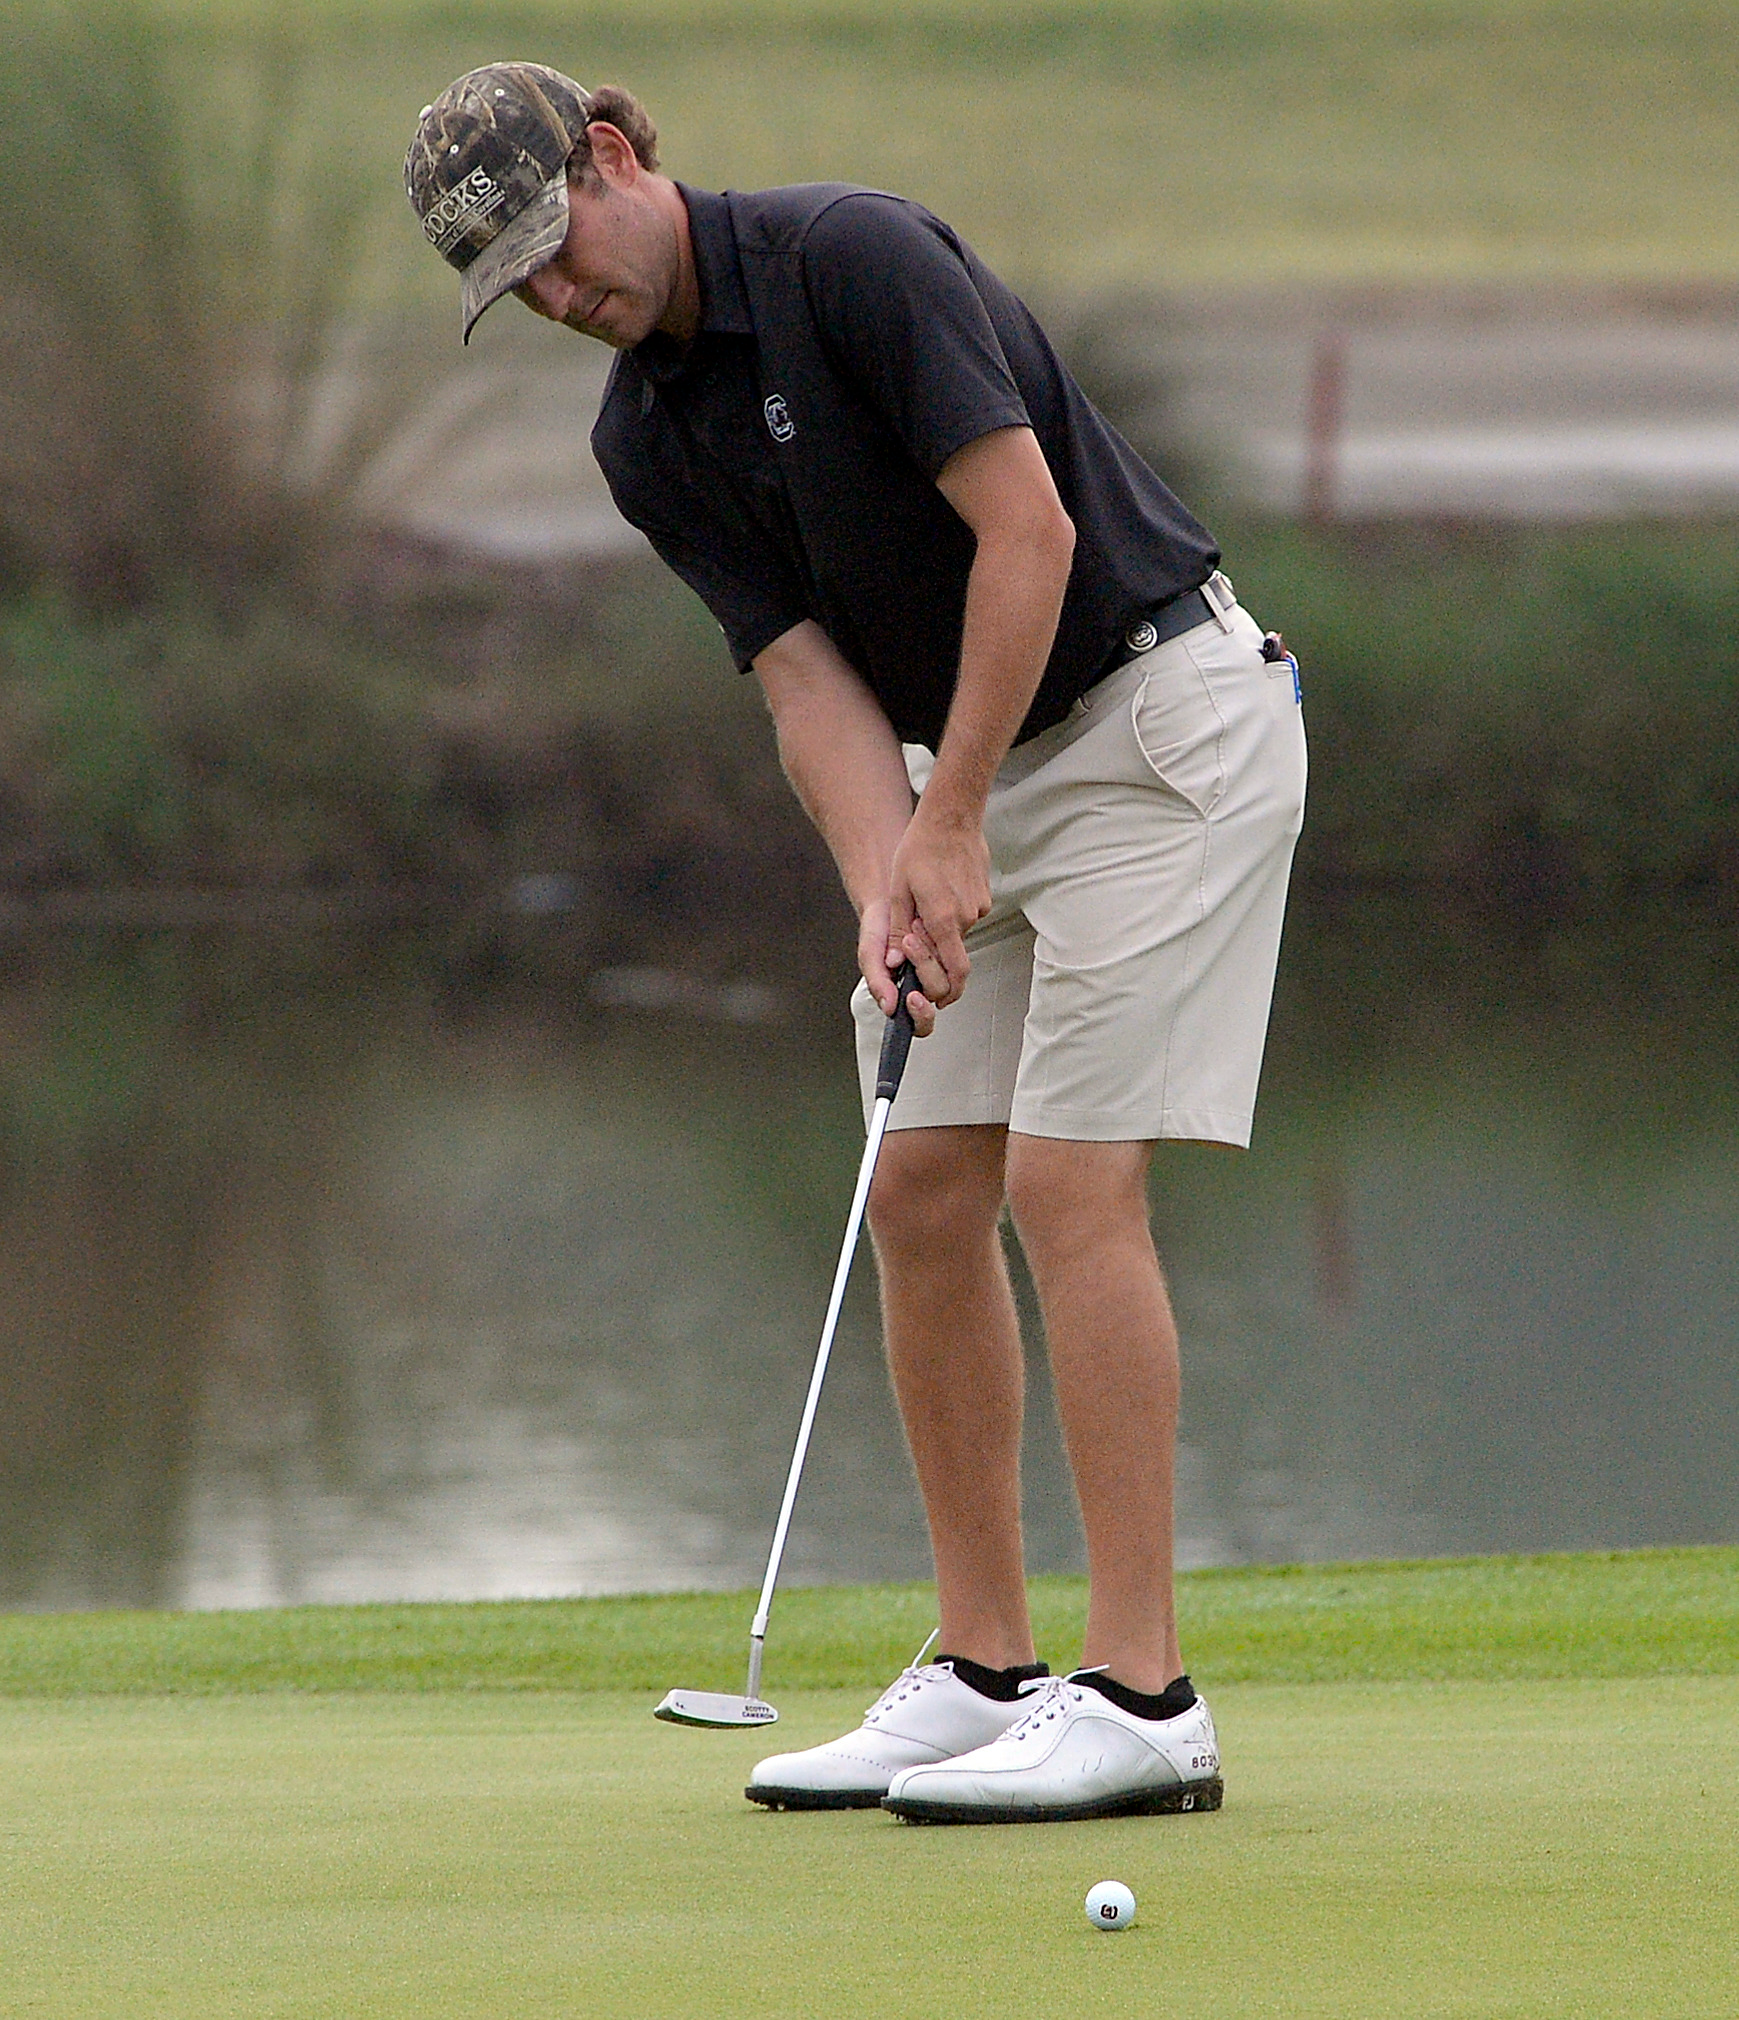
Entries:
{"x":613,"y":156}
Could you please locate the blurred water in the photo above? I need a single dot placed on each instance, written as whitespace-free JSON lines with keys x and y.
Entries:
{"x":328,"y":1278}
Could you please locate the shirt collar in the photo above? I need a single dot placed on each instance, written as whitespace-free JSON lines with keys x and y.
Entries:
{"x":724,"y":302}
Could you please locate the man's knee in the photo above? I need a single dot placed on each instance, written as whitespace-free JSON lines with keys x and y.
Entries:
{"x":1071,"y":1195}
{"x":935,"y":1188}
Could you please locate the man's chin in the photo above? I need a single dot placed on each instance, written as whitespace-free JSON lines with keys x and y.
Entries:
{"x":621,"y":328}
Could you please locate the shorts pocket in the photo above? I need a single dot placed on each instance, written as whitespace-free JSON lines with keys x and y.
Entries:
{"x":1181,"y":732}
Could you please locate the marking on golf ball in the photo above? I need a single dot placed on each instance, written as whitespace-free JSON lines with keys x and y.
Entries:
{"x":1110,"y":1905}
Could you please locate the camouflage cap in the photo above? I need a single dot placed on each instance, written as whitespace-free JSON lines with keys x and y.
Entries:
{"x":486,"y":175}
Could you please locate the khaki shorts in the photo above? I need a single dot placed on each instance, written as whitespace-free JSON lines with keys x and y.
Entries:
{"x":1139,"y":851}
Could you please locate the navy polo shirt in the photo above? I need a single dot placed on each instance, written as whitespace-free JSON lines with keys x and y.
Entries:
{"x":916,"y":331}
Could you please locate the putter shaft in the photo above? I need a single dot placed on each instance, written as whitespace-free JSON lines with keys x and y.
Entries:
{"x":866,"y":1172}
{"x":896,"y":1043}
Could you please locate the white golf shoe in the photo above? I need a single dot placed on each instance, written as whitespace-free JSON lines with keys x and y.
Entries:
{"x":926,"y":1714}
{"x":1073,"y":1753}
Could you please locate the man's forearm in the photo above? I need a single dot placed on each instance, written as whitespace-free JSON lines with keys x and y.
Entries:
{"x":1014,"y":596}
{"x":1013,"y":600}
{"x":841,"y":755}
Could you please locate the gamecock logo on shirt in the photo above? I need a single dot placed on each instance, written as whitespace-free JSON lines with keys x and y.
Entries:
{"x":779,"y":422}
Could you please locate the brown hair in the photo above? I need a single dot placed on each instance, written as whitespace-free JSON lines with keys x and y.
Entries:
{"x":622,"y":110}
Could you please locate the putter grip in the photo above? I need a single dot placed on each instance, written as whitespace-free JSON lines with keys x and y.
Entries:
{"x":897,"y":1038}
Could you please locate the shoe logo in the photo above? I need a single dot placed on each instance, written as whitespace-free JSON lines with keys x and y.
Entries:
{"x":779,"y":422}
{"x":1142,"y":637}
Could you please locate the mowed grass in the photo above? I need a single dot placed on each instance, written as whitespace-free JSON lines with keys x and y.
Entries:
{"x":1461,"y":1788}
{"x":1544,"y":1848}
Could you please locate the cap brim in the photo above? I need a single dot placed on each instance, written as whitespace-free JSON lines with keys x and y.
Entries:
{"x":516,"y":252}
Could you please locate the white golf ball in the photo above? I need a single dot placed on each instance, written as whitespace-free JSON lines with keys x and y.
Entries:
{"x":1110,"y":1905}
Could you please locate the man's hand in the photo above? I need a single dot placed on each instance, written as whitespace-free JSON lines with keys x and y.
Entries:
{"x":939,"y":888}
{"x":942,"y":876}
{"x":878,"y":961}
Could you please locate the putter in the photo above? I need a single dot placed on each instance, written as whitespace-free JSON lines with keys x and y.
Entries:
{"x":716,"y":1707}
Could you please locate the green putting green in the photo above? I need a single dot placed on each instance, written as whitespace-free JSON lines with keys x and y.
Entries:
{"x":1546,"y":1825}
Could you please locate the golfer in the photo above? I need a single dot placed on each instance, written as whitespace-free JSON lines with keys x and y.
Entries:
{"x":1059,"y":774}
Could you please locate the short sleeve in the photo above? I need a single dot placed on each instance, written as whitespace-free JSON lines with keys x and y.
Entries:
{"x":739,"y":587}
{"x":903,"y":322}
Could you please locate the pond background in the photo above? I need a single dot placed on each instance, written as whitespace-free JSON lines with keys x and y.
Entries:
{"x":338,"y":1279}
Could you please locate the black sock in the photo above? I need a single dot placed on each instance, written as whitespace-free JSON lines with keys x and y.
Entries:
{"x":1172,"y":1702}
{"x":1001,"y":1684}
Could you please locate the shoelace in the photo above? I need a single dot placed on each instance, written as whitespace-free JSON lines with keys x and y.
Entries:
{"x":915,"y":1672}
{"x":1050,"y":1695}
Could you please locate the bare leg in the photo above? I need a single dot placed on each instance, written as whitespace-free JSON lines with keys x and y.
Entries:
{"x":953,"y":1343}
{"x":1081,"y":1210}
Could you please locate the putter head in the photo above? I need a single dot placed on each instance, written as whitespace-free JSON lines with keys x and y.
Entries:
{"x":713,"y":1708}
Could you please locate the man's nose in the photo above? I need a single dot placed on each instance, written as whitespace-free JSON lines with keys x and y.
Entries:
{"x":548,"y":292}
